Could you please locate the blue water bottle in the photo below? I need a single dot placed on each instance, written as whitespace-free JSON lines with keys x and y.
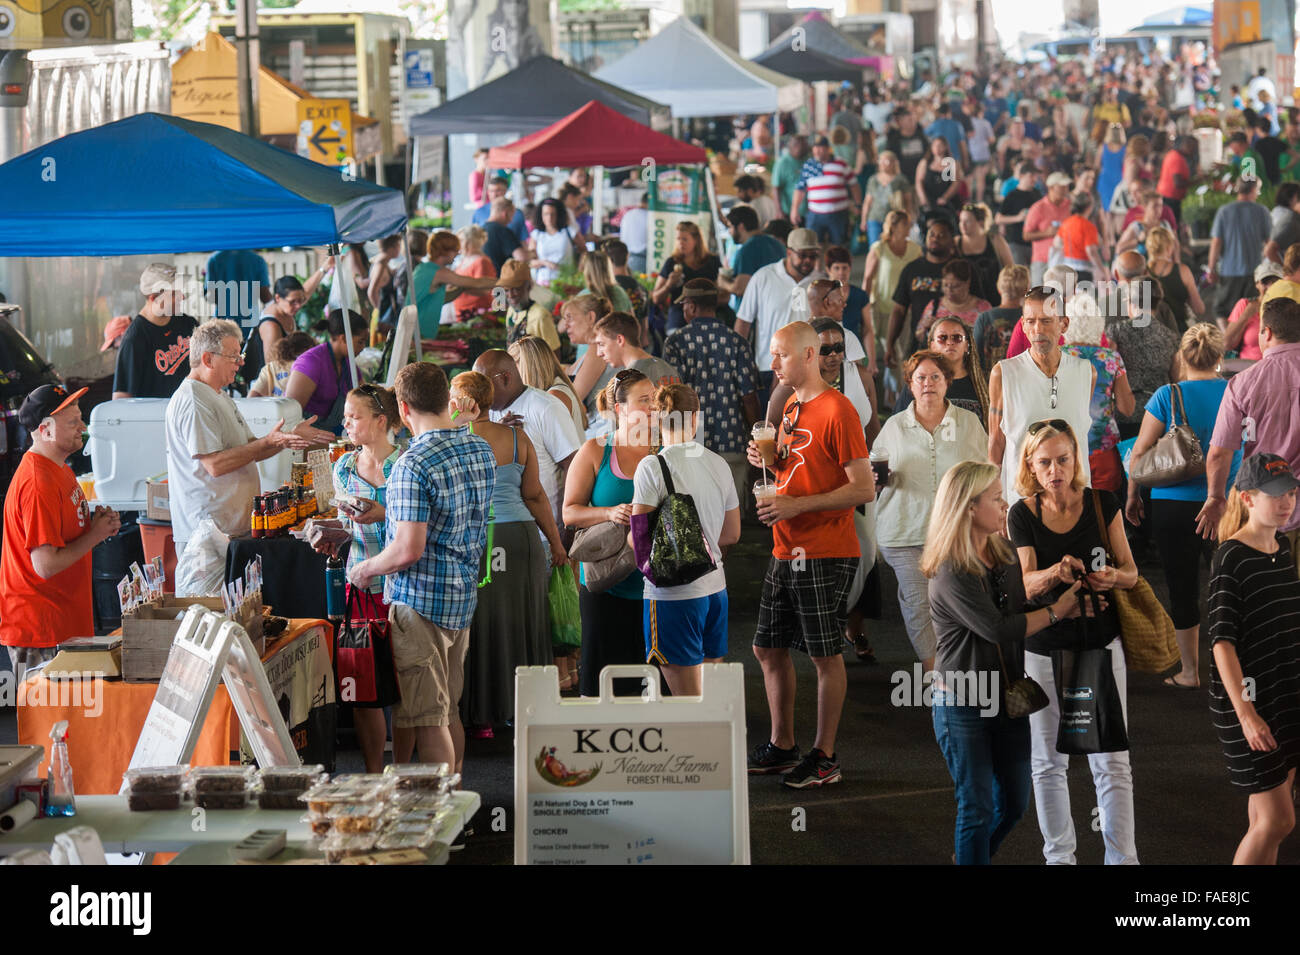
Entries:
{"x":335,"y":582}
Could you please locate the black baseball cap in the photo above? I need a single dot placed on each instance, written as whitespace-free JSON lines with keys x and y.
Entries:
{"x":45,"y":401}
{"x":1265,"y":472}
{"x":821,"y":141}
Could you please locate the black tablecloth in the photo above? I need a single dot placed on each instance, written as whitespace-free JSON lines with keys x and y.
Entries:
{"x":293,"y":575}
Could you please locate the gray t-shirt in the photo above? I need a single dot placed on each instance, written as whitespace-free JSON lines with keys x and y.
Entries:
{"x":657,"y":370}
{"x":203,"y":421}
{"x":1243,"y":227}
{"x":973,"y":616}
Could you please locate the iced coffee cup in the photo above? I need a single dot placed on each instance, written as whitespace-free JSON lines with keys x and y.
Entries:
{"x":764,"y":436}
{"x":880,"y":466}
{"x":763,"y":490}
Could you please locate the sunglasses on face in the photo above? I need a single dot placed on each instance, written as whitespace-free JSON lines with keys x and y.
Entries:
{"x":955,"y":338}
{"x":836,"y":349}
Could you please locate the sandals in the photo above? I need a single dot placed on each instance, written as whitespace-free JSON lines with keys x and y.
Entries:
{"x":1172,"y":681}
{"x":862,"y":648}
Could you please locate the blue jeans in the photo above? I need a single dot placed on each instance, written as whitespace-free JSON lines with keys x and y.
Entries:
{"x":988,"y":759}
{"x":874,"y":231}
{"x":832,"y":227}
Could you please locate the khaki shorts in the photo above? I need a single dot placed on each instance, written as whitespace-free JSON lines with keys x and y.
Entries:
{"x":430,"y":662}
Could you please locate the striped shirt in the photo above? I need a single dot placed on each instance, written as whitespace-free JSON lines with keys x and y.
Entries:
{"x":826,"y":185}
{"x":444,"y":480}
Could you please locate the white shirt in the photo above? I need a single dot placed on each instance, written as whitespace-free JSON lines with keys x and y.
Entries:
{"x":1027,"y":397}
{"x":918,"y":460}
{"x":200,"y":420}
{"x":764,"y":207}
{"x":634,"y":230}
{"x":706,"y":477}
{"x":766,"y":306}
{"x":1261,"y":83}
{"x":549,"y":426}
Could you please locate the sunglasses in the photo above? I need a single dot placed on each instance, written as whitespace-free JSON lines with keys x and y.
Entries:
{"x":1054,"y":423}
{"x":836,"y":349}
{"x":955,"y":338}
{"x":787,"y":423}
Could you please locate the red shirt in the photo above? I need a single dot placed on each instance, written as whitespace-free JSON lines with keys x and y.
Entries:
{"x":1174,"y":165}
{"x":44,"y":506}
{"x":827,"y":435}
{"x":1166,"y":217}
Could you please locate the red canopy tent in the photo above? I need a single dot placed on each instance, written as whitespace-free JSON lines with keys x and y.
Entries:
{"x":595,"y":135}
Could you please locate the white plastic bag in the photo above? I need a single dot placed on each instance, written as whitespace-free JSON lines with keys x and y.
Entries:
{"x":201,"y":569}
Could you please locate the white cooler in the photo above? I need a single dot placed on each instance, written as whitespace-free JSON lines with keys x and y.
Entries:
{"x":128,"y":445}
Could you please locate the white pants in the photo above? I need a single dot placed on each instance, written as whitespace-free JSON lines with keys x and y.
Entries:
{"x":913,"y":598}
{"x":1111,"y":775}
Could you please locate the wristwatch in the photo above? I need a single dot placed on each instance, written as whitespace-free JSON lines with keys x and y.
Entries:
{"x":1052,"y":619}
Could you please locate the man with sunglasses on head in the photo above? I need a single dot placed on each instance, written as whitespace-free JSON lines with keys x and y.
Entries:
{"x":821,"y":474}
{"x":765,"y":306}
{"x":1037,"y":385}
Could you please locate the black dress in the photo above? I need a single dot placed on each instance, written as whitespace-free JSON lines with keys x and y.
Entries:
{"x":1255,"y":606}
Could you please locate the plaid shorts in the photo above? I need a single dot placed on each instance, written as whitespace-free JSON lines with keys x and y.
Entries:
{"x":806,"y":608}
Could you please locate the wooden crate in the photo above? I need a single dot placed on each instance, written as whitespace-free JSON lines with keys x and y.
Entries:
{"x":148,"y":633}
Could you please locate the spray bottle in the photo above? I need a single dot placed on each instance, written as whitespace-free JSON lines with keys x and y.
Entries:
{"x":61,"y":800}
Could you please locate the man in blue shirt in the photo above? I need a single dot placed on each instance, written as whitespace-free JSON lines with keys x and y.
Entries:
{"x":436,"y":515}
{"x":952,"y":131}
{"x":238,"y":285}
{"x":496,"y":189}
{"x":754,"y":249}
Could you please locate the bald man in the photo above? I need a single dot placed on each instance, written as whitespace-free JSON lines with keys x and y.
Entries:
{"x":827,"y":299}
{"x":821,"y":474}
{"x":546,"y":421}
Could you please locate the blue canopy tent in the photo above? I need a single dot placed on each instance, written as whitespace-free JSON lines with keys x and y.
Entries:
{"x":155,"y":183}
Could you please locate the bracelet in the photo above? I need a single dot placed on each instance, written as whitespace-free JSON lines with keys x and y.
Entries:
{"x":1052,"y":619}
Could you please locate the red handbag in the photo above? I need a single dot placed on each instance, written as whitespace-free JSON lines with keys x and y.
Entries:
{"x":354,"y":655}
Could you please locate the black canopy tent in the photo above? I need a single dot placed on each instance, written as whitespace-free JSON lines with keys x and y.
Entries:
{"x":540,"y":92}
{"x":811,"y":66}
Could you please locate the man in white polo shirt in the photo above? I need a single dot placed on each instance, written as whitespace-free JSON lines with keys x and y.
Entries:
{"x":827,"y":184}
{"x":765,"y":306}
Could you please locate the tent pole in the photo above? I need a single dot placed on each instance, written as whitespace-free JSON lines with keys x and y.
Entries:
{"x":349,"y":286}
{"x":410,"y":300}
{"x":598,"y":198}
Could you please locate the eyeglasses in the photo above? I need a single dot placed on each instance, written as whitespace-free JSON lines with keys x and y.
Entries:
{"x":237,"y":358}
{"x":956,"y":338}
{"x":1056,"y":424}
{"x":836,"y":349}
{"x":927,"y":379}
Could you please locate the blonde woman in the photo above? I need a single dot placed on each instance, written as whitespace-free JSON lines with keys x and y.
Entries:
{"x":598,"y":273}
{"x":473,"y":262}
{"x":1058,"y":538}
{"x":540,"y":369}
{"x":1254,"y":608}
{"x":885,"y":261}
{"x":977,"y":599}
{"x":691,"y":259}
{"x":1174,"y":277}
{"x":885,"y":191}
{"x":590,"y":372}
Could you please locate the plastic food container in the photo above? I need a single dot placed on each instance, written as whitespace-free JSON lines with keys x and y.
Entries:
{"x":356,"y":817}
{"x":430,"y":801}
{"x":320,"y":824}
{"x":422,"y":776}
{"x":206,"y":780}
{"x":282,"y":787}
{"x":151,"y":789}
{"x":222,"y":800}
{"x":407,"y":836}
{"x":340,"y":845}
{"x":323,"y":796}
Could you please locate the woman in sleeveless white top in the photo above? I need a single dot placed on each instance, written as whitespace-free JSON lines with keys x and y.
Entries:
{"x":1027,"y":397}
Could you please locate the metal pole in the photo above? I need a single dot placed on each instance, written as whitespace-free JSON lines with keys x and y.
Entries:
{"x":248,"y":59}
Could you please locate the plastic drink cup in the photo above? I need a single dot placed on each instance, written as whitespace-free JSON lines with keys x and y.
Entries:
{"x":763,"y":490}
{"x":880,"y":467}
{"x":764,"y":436}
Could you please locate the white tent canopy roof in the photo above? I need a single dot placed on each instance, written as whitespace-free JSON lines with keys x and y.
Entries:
{"x":694,"y":74}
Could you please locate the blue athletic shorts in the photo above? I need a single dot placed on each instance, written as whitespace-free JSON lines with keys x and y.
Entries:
{"x":686,"y":632}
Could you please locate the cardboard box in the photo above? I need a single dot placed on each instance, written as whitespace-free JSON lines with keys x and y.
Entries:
{"x":148,"y":633}
{"x":157,"y":505}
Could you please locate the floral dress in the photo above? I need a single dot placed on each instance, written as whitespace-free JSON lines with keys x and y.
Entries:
{"x":1104,"y":433}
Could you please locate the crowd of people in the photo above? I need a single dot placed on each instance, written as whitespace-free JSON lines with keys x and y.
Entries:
{"x":1031,"y":304}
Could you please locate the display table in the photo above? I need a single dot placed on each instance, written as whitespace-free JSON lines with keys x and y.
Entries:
{"x":293,"y":575}
{"x":121,"y":830}
{"x":103,"y":734}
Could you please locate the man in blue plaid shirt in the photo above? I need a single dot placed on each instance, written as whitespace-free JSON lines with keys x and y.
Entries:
{"x":438,"y":497}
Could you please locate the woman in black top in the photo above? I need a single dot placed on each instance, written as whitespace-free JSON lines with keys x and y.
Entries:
{"x":938,"y":177}
{"x":977,"y":604}
{"x":1255,"y":638}
{"x":1057,"y":536}
{"x":691,"y":259}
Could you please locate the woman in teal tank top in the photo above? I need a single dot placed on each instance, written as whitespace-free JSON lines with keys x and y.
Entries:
{"x":599,"y":489}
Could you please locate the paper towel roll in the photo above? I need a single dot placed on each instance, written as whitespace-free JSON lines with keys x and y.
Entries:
{"x":15,"y":817}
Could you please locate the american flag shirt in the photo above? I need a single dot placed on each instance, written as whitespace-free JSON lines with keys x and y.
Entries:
{"x":826,"y":185}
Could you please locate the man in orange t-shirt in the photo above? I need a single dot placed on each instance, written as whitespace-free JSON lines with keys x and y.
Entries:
{"x":45,"y":563}
{"x":821,"y":474}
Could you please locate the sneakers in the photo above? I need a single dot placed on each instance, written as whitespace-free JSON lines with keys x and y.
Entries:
{"x":815,"y":769}
{"x":767,"y":758}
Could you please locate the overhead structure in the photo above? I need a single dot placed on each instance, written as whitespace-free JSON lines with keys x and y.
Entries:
{"x":695,"y":75}
{"x":811,"y":66}
{"x":161,"y":184}
{"x":594,"y":135}
{"x":816,"y":35}
{"x":540,"y":92}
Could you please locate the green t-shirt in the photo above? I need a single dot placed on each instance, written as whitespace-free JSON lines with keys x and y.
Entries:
{"x":784,"y":176}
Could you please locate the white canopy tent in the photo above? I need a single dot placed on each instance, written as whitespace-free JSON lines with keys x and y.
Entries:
{"x":695,"y":75}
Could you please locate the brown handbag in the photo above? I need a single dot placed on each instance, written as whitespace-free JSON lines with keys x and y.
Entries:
{"x":1145,"y":628}
{"x":1176,"y":457}
{"x":605,"y":555}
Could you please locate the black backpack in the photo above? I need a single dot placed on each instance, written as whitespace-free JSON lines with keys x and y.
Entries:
{"x":669,"y":543}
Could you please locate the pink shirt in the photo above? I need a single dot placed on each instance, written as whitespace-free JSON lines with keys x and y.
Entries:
{"x":1261,"y":410}
{"x":1040,"y":216}
{"x":1250,"y":340}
